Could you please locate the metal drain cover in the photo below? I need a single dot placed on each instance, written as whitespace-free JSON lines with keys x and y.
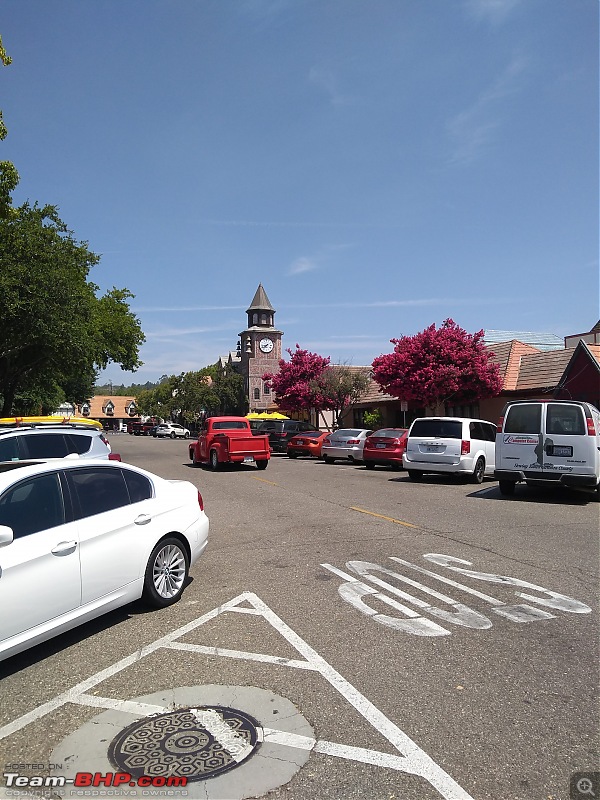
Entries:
{"x":195,"y":743}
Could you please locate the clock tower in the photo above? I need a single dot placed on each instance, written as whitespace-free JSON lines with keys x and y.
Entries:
{"x":260,"y":350}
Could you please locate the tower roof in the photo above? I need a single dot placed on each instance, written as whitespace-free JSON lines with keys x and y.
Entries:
{"x":260,"y":301}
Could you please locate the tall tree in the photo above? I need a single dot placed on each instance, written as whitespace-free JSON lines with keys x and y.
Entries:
{"x":54,"y":330}
{"x":439,"y":365}
{"x":340,"y":387}
{"x":9,"y":177}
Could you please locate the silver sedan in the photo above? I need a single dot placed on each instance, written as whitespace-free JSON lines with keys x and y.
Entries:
{"x":346,"y":444}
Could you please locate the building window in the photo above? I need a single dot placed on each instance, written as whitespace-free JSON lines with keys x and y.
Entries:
{"x":255,"y":319}
{"x":257,"y":394}
{"x":266,"y":389}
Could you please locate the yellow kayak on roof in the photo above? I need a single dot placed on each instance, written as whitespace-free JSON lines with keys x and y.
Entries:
{"x":17,"y":422}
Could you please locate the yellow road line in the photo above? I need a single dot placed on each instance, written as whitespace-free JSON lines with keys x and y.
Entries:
{"x":254,"y":478}
{"x":381,"y":516}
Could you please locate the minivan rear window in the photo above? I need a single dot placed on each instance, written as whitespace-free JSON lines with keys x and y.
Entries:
{"x":443,"y":428}
{"x":526,"y":418}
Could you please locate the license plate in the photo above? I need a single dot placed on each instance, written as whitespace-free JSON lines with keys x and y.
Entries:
{"x":433,"y":449}
{"x":300,"y":441}
{"x":380,"y":445}
{"x":561,"y":450}
{"x":248,"y":458}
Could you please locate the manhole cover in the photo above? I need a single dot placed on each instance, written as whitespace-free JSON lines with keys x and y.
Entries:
{"x":195,"y":743}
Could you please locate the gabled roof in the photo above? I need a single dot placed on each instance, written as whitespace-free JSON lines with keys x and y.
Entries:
{"x":121,"y":405}
{"x":260,"y":301}
{"x":508,"y":355}
{"x":542,"y":370}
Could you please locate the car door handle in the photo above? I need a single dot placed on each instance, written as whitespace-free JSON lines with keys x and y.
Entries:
{"x":64,"y":548}
{"x":143,"y":519}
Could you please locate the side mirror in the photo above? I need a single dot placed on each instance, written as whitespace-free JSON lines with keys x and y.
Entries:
{"x":6,"y":535}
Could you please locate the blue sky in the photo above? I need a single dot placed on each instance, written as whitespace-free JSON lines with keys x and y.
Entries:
{"x":379,"y":165}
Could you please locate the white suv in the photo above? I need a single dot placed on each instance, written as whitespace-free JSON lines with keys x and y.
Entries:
{"x":28,"y":442}
{"x":172,"y":430}
{"x":455,"y":445}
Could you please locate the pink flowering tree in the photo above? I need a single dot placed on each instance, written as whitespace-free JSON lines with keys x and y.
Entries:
{"x":297,"y":385}
{"x":308,"y":381}
{"x":437,"y":366}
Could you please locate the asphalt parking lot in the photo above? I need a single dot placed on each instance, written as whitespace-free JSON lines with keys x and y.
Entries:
{"x":376,"y":638}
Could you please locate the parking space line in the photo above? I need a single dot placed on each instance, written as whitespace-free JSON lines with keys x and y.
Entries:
{"x":381,"y":516}
{"x":221,"y":651}
{"x":411,"y":759}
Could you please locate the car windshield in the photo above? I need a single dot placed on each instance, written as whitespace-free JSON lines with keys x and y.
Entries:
{"x":444,"y":428}
{"x":308,"y":434}
{"x":229,"y":426}
{"x":347,"y":432}
{"x":389,"y":433}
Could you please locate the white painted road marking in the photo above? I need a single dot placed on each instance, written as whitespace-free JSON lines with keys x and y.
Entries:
{"x":353,"y":591}
{"x":412,"y":759}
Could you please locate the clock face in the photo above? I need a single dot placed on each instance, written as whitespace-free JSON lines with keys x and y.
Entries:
{"x":266,"y":345}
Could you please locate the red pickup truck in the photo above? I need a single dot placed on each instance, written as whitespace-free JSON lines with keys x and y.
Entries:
{"x":229,"y":440}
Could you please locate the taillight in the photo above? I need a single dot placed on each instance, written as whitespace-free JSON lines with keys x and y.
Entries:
{"x":353,"y":441}
{"x":114,"y":457}
{"x":326,"y":441}
{"x":465,"y":447}
{"x":500,"y":424}
{"x":200,"y":502}
{"x":590,"y":426}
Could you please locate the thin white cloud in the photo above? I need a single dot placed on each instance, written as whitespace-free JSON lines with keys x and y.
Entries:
{"x":325,"y":80}
{"x":302,"y":265}
{"x":494,"y":11}
{"x":471,"y":131}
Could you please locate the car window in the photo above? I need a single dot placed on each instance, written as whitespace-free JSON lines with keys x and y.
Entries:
{"x":444,"y":428}
{"x":489,"y":431}
{"x":526,"y":418}
{"x":9,"y":448}
{"x":306,"y":426}
{"x":98,"y":490}
{"x":565,"y":419}
{"x":45,"y":445}
{"x":78,"y":442}
{"x":140,"y":488}
{"x":347,"y":432}
{"x":311,"y":434}
{"x":33,"y":505}
{"x":228,"y":426}
{"x":476,"y":430}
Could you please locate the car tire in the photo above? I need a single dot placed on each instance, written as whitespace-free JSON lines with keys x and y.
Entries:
{"x":213,"y":460}
{"x":292,"y":455}
{"x":369,"y":465}
{"x":328,"y":459}
{"x":507,"y":488}
{"x":479,"y":471}
{"x":186,"y":435}
{"x":166,"y":573}
{"x":173,"y":435}
{"x":415,"y":475}
{"x":193,"y":459}
{"x":262,"y":464}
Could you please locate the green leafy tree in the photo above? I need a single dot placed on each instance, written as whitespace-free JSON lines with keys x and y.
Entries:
{"x":9,"y":177}
{"x":55,"y":333}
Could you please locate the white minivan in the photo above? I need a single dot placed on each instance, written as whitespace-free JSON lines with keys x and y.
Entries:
{"x":455,"y":445}
{"x":545,"y":442}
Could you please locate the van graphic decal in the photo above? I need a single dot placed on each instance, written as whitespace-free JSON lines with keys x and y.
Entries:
{"x":521,"y":438}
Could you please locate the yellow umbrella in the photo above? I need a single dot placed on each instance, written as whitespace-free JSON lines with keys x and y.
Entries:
{"x":253,"y":415}
{"x":272,"y":415}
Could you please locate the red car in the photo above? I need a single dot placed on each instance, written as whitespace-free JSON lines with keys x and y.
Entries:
{"x":385,"y":447}
{"x":307,"y":443}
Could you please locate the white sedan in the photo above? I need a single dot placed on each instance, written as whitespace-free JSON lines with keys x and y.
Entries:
{"x":80,"y":539}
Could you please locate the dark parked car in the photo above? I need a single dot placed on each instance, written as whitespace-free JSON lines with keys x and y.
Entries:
{"x":280,"y":431}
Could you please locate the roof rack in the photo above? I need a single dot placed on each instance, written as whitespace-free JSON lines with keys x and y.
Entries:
{"x":45,"y":422}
